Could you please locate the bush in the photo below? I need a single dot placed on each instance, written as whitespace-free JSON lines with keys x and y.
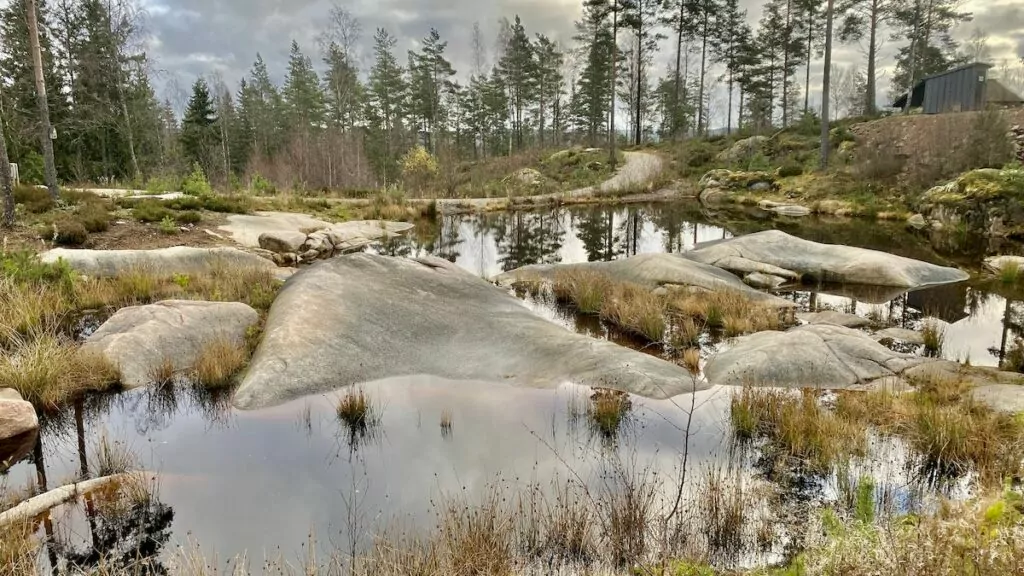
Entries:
{"x":229,"y":205}
{"x":189,"y":217}
{"x":66,"y":231}
{"x":184,"y":203}
{"x":196,"y":184}
{"x":262,"y":186}
{"x":150,"y":211}
{"x":94,"y":217}
{"x":167,"y":226}
{"x":35,"y":200}
{"x":790,"y":170}
{"x":418,"y":168}
{"x":989,"y":145}
{"x":161,"y":184}
{"x":30,"y":168}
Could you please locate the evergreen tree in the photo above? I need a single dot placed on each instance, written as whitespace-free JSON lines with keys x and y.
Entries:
{"x":429,"y":81}
{"x":862,"y":22}
{"x":590,"y":103}
{"x":199,"y":133}
{"x":518,"y":70}
{"x":926,"y":26}
{"x":641,"y":17}
{"x":736,"y":38}
{"x":303,"y":99}
{"x":549,"y":84}
{"x":342,"y":89}
{"x":386,"y":100}
{"x":263,"y":107}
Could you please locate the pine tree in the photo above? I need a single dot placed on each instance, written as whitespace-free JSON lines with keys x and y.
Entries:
{"x":862,"y":21}
{"x":429,"y":81}
{"x":641,"y":17}
{"x":926,"y":25}
{"x":518,"y":69}
{"x":43,"y":107}
{"x":590,"y":103}
{"x":304,"y":102}
{"x":386,"y":100}
{"x":199,"y":137}
{"x":263,"y":108}
{"x":342,"y":89}
{"x":736,"y":38}
{"x":549,"y":84}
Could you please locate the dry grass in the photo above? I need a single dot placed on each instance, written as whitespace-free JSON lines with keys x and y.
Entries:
{"x":691,"y":360}
{"x":727,"y":309}
{"x":584,"y":289}
{"x":446,"y":421}
{"x":635,"y":310}
{"x":722,"y":505}
{"x":356,"y":410}
{"x":49,"y":370}
{"x":219,"y":361}
{"x":934,"y":339}
{"x":799,"y":430}
{"x":607,"y":411}
{"x":112,"y":457}
{"x":19,"y":549}
{"x":163,"y":373}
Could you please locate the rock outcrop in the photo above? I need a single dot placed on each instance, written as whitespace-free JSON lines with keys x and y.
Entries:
{"x":779,"y":254}
{"x":17,"y":417}
{"x":142,"y":340}
{"x":363,"y":317}
{"x":292,"y":238}
{"x":987,"y":201}
{"x":744,"y":150}
{"x":716,"y":185}
{"x":813,"y":356}
{"x":176,"y":260}
{"x":652,"y":270}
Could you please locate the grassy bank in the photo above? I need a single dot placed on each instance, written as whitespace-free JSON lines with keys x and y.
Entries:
{"x":41,"y":306}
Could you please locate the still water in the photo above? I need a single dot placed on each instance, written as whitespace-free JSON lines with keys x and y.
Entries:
{"x":262,"y":482}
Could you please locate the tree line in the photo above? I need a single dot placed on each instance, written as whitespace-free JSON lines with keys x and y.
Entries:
{"x":333,"y":125}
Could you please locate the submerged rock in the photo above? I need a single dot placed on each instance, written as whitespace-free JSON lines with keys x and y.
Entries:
{"x":783,"y":209}
{"x":176,"y":260}
{"x":997,"y":264}
{"x":363,"y":317}
{"x":140,"y":340}
{"x":900,"y":335}
{"x":766,"y":281}
{"x":777,"y":253}
{"x":814,"y":356}
{"x":834,"y":318}
{"x":652,"y":270}
{"x":17,"y":417}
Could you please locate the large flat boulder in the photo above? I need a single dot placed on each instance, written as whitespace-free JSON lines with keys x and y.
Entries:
{"x":176,"y":260}
{"x":652,"y":270}
{"x":779,"y":254}
{"x":139,"y":340}
{"x":17,"y":417}
{"x":246,"y":229}
{"x":363,"y":317}
{"x":812,"y":356}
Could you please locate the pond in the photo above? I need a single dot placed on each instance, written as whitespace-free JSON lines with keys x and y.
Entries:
{"x":268,"y":482}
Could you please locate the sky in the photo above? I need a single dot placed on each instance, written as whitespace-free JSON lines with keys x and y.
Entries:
{"x":189,"y":38}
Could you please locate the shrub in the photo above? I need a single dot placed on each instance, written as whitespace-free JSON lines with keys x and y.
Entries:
{"x":219,"y":362}
{"x":790,"y":170}
{"x":934,"y":339}
{"x":262,"y":186}
{"x":168,"y":226}
{"x":94,"y":217}
{"x":418,"y":168}
{"x":1014,"y":360}
{"x":225,"y":204}
{"x":196,"y":183}
{"x":189,"y":217}
{"x":35,"y":200}
{"x":150,"y":211}
{"x":31,"y":168}
{"x":66,"y":231}
{"x":184,"y":203}
{"x":161,"y":184}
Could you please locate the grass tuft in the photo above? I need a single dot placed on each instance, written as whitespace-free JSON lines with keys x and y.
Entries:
{"x":934,"y":339}
{"x":219,"y":361}
{"x":49,"y":370}
{"x":607,"y":411}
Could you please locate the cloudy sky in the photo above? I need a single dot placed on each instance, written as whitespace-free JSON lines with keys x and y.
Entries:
{"x":188,"y":38}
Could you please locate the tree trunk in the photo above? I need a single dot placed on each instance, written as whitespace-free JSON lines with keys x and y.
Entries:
{"x":810,"y":42}
{"x":703,"y":74}
{"x":785,"y":64}
{"x":44,"y":106}
{"x":6,"y":184}
{"x":611,"y":110}
{"x":826,"y":86}
{"x":728,"y":121}
{"x":870,"y":107}
{"x":638,"y":121}
{"x":676,"y":124}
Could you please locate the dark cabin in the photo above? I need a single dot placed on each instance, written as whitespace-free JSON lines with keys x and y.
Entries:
{"x":961,"y":89}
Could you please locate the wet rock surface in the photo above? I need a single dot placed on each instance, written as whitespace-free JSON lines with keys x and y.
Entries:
{"x":652,"y":270}
{"x":17,"y":417}
{"x":293,"y":238}
{"x":176,"y":260}
{"x":813,"y":356}
{"x":833,"y":318}
{"x":363,"y":317}
{"x":141,"y":339}
{"x":777,"y":253}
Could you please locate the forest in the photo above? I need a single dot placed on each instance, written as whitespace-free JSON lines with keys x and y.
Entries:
{"x":334,"y":124}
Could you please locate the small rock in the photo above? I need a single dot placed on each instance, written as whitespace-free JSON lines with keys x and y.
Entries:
{"x":901,"y":335}
{"x":309,"y":255}
{"x":760,"y":186}
{"x":282,"y":241}
{"x":759,"y":280}
{"x":917,"y":222}
{"x":832,"y":318}
{"x":16,"y":416}
{"x":997,"y":264}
